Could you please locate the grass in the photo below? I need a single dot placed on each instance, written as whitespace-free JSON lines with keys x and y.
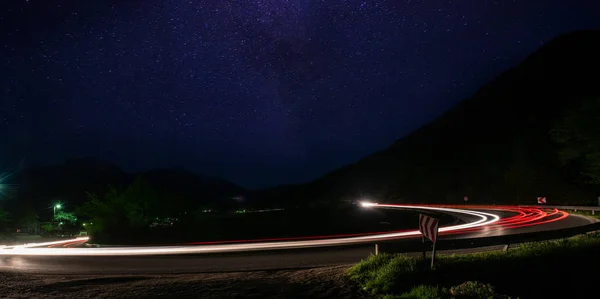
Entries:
{"x":586,"y":213}
{"x":551,"y":269}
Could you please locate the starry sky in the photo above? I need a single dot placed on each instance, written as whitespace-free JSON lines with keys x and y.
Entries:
{"x":260,"y":92}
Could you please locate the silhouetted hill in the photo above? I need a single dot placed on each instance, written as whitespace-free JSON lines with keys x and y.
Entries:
{"x":70,"y":182}
{"x":194,"y":188}
{"x":492,"y":147}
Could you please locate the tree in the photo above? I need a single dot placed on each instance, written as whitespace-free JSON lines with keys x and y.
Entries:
{"x":519,"y":178}
{"x":102,"y":210}
{"x":62,"y":221}
{"x":30,"y":219}
{"x":48,"y":228}
{"x":578,"y":133}
{"x":4,"y":219}
{"x":119,"y":213}
{"x":63,"y":216}
{"x":4,"y":216}
{"x":141,"y":202}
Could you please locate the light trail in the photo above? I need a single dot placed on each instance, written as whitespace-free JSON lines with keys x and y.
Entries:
{"x":484,"y":220}
{"x":49,"y":244}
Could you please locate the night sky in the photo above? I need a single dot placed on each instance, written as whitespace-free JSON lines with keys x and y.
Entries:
{"x":260,"y":92}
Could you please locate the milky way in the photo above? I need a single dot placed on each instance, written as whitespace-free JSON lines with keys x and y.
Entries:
{"x":259,"y":92}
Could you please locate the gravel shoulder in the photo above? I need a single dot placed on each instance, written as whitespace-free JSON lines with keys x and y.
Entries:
{"x":326,"y":282}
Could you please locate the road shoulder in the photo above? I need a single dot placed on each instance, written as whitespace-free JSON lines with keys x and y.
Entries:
{"x":324,"y":282}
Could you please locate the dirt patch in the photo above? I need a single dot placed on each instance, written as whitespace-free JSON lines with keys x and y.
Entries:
{"x":326,"y":282}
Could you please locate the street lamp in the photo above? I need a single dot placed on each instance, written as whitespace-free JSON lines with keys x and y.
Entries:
{"x":56,"y":207}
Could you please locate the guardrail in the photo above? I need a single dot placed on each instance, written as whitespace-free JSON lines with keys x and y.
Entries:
{"x":593,"y":209}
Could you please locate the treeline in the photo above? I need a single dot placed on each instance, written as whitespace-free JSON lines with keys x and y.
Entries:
{"x":141,"y":214}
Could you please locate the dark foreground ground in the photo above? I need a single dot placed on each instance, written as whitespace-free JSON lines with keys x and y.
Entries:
{"x":328,"y":282}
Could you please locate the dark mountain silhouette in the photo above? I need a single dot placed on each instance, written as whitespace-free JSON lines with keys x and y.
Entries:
{"x":69,"y":182}
{"x":191,"y":189}
{"x":492,"y":147}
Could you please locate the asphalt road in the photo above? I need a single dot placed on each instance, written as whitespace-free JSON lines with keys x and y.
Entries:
{"x":253,"y":261}
{"x":569,"y":222}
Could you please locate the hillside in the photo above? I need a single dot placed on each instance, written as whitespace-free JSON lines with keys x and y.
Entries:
{"x":492,"y":147}
{"x":69,"y":182}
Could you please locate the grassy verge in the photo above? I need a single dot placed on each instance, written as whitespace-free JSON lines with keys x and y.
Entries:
{"x":563,"y":268}
{"x":586,"y":213}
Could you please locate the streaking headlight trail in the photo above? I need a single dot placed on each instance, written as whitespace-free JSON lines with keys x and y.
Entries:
{"x":482,"y":220}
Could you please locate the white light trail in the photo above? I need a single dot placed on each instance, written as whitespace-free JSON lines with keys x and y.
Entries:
{"x":44,"y":244}
{"x":33,"y":250}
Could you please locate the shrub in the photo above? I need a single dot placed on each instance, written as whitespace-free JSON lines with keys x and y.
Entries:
{"x":473,"y":290}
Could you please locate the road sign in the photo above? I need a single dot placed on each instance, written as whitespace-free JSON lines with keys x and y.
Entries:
{"x":428,"y":226}
{"x":466,"y":198}
{"x":541,"y":200}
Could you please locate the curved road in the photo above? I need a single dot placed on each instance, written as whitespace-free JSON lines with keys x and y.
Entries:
{"x":476,"y":222}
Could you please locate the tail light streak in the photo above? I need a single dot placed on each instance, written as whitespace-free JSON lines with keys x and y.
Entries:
{"x":484,"y":220}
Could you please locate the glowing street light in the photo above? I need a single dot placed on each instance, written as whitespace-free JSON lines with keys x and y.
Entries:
{"x":56,"y":207}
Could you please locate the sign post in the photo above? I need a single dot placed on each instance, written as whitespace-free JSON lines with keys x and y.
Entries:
{"x":428,"y":226}
{"x":424,"y":248}
{"x":433,"y":255}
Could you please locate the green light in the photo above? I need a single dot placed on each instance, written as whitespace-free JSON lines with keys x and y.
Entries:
{"x":58,"y":206}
